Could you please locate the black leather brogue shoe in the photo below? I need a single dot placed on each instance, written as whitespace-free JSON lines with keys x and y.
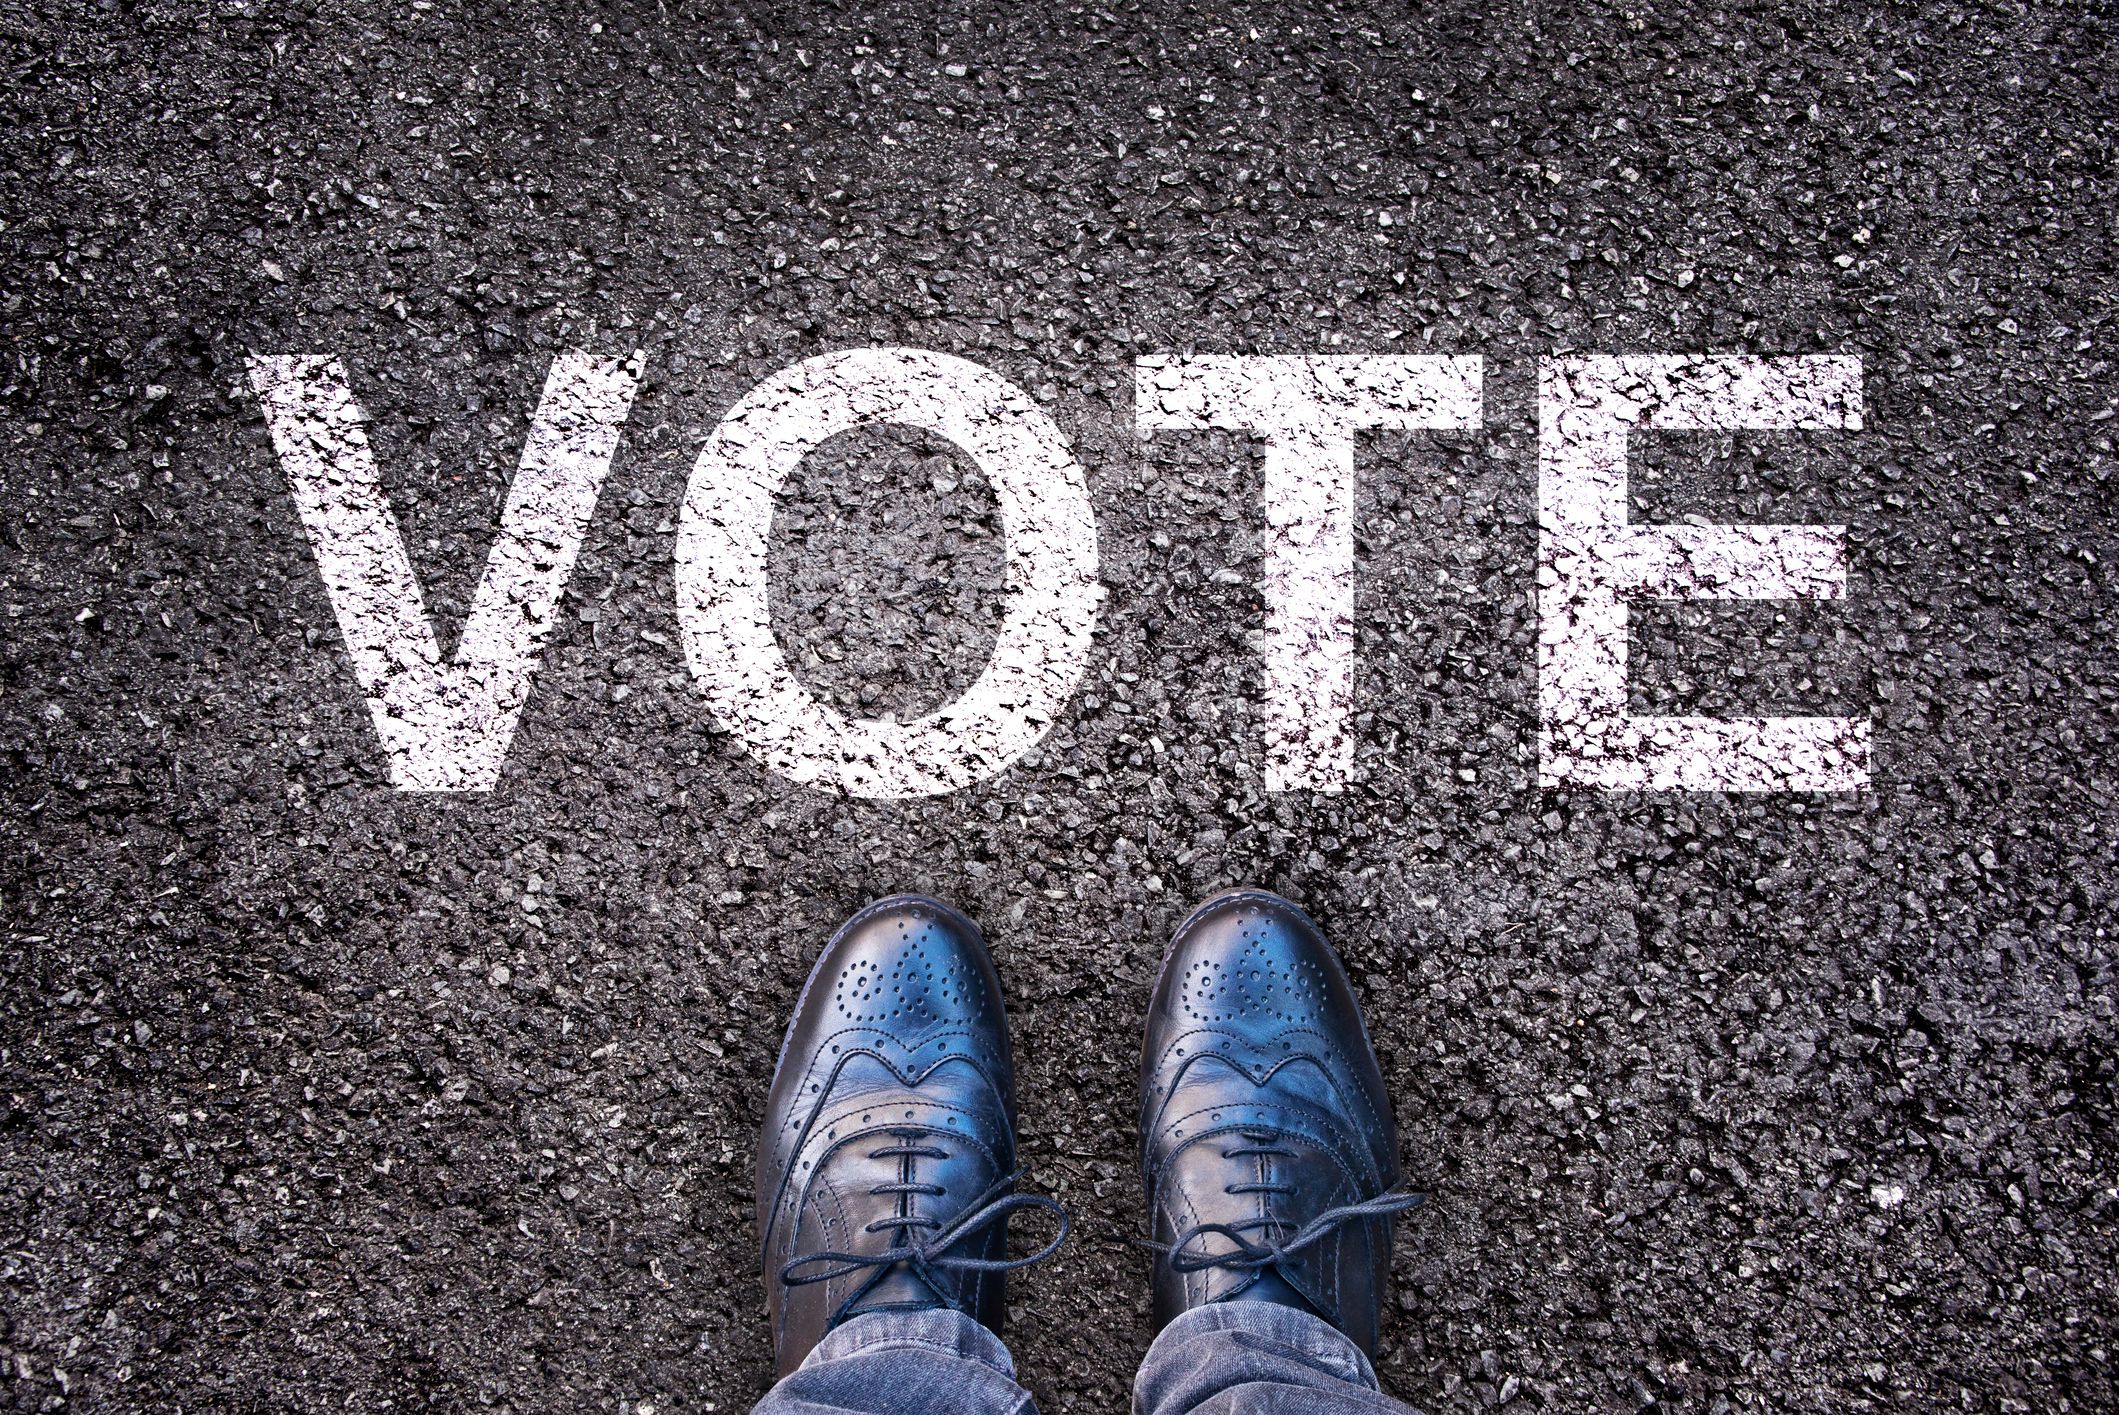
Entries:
{"x":1267,"y":1143}
{"x":886,"y":1169}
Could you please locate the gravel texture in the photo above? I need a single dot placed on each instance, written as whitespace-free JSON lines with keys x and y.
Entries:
{"x":318,"y":1095}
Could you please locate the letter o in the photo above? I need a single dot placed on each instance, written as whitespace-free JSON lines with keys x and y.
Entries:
{"x":1049,"y":534}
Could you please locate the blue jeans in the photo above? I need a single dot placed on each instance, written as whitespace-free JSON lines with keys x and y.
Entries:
{"x":1230,"y":1358}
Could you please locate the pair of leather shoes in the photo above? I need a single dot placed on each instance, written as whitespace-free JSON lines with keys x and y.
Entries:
{"x":887,"y":1168}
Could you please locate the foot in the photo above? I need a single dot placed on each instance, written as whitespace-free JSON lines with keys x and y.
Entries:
{"x":1268,"y":1147}
{"x":886,"y":1169}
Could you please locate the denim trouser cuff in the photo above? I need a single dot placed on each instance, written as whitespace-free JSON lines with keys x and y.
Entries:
{"x":940,"y":1330}
{"x":1310,"y":1337}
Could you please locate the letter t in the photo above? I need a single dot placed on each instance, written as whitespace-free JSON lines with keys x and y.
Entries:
{"x":1307,"y":411}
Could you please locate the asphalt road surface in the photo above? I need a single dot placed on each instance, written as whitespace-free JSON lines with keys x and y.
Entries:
{"x":316,"y":1095}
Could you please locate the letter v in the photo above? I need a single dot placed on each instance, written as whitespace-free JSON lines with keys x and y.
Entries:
{"x":444,"y":727}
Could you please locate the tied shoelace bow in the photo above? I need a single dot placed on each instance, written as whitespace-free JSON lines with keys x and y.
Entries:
{"x":1251,"y":1256}
{"x":1256,"y":1257}
{"x":927,"y":1256}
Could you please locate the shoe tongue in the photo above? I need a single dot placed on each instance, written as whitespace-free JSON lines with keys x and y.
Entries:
{"x":1202,"y":1167}
{"x":897,"y":1286}
{"x":1271,"y":1286}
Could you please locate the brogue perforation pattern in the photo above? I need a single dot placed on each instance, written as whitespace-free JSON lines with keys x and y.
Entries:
{"x":1260,"y":982}
{"x":927,"y":982}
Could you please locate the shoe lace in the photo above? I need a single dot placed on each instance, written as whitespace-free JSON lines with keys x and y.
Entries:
{"x":1250,"y":1256}
{"x":921,"y":1242}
